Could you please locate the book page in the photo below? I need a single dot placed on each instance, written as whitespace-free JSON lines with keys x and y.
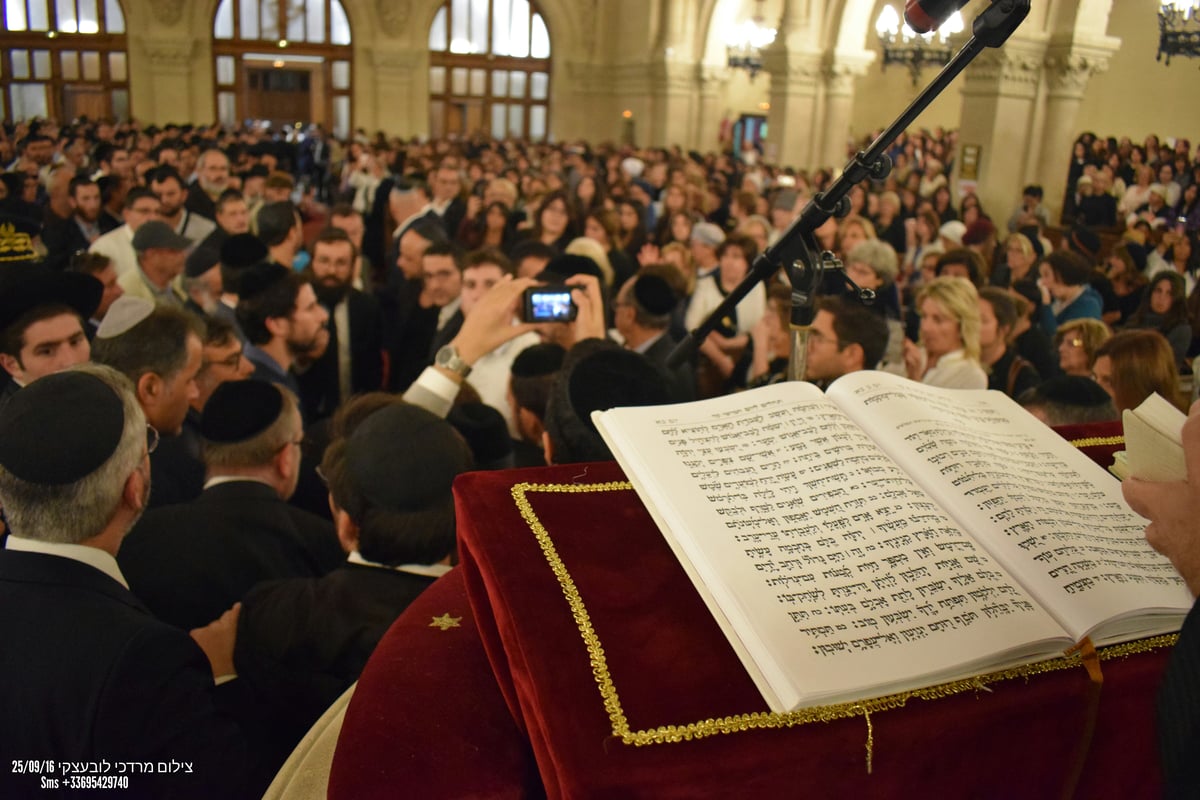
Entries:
{"x":830,"y":571}
{"x":1047,"y":512}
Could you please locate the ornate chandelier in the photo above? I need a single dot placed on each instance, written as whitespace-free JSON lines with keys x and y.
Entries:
{"x":902,"y":45}
{"x":1178,"y":29}
{"x":745,"y":42}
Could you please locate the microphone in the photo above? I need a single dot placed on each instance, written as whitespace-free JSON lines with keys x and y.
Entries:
{"x":924,"y":16}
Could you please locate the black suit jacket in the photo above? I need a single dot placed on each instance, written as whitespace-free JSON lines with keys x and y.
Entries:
{"x":302,"y":641}
{"x":190,"y":562}
{"x":1179,"y":713}
{"x":319,"y":386}
{"x":446,"y":334}
{"x":62,"y":240}
{"x":453,"y":216}
{"x":88,"y":674}
{"x":198,"y":202}
{"x":176,"y":468}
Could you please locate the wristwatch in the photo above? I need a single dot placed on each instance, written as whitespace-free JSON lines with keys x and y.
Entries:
{"x":447,"y":357}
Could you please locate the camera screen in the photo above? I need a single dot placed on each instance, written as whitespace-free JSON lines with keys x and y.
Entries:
{"x":551,"y":306}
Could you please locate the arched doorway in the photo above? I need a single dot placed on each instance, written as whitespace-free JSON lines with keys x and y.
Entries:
{"x":489,"y":70}
{"x":63,"y":60}
{"x":283,"y":62}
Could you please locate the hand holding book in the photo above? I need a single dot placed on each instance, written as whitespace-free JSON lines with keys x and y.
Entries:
{"x":1164,"y":485}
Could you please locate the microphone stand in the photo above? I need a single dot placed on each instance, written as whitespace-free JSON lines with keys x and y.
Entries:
{"x":812,"y":271}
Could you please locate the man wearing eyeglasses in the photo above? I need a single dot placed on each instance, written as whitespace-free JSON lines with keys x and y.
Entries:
{"x":844,"y":337}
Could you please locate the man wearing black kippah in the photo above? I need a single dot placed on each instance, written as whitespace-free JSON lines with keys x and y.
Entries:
{"x":642,"y":315}
{"x":189,"y":561}
{"x":87,"y":674}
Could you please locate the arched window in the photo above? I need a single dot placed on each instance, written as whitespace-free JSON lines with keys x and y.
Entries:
{"x":63,"y":59}
{"x":283,"y":61}
{"x":489,"y":69}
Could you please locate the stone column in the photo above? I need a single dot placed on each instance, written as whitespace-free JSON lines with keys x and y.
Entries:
{"x":840,"y":76}
{"x":706,"y":128}
{"x":793,"y":121}
{"x":172,"y":96}
{"x":1000,"y":91}
{"x":400,"y":104}
{"x":1069,"y":67}
{"x":673,"y":87}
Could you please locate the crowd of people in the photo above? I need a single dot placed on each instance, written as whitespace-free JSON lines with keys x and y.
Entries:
{"x":320,"y":335}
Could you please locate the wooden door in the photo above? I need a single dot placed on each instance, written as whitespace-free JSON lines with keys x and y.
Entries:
{"x":92,"y":101}
{"x":281,"y":96}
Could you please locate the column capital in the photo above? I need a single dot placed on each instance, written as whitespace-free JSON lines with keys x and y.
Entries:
{"x":1015,"y":69}
{"x":169,"y":55}
{"x":841,"y":70}
{"x":396,"y":62}
{"x":793,"y":70}
{"x":1070,"y":64}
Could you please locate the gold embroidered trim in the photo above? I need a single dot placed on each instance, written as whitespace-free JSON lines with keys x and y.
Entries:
{"x":665,"y":734}
{"x":1097,"y":441}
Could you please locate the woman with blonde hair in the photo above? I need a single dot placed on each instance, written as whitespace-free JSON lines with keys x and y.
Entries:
{"x":1132,"y":365}
{"x":1077,"y":342}
{"x":949,"y":353}
{"x":1019,"y":260}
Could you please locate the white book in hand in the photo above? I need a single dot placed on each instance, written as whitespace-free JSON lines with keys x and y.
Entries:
{"x":1154,"y":441}
{"x":889,"y":535}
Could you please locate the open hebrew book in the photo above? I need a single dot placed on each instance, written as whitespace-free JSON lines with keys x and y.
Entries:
{"x":888,"y":535}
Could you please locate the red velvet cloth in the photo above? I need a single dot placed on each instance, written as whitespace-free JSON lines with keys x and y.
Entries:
{"x":670,"y":665}
{"x":1099,"y":441}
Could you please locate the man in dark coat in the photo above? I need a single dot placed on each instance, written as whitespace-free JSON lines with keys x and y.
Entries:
{"x":1173,"y":508}
{"x":189,"y":560}
{"x":643,"y":315}
{"x":353,"y":361}
{"x":89,"y":675}
{"x":304,"y":641}
{"x":160,"y":350}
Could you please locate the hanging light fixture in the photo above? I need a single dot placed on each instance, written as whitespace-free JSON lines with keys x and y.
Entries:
{"x":1178,"y":29}
{"x":745,"y":42}
{"x":902,"y":45}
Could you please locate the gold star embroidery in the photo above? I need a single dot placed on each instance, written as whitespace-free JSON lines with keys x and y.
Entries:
{"x":445,"y":622}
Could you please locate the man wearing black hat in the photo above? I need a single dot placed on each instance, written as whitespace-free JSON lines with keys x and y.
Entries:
{"x":642,"y":316}
{"x":161,"y":256}
{"x":596,"y":375}
{"x":189,"y":562}
{"x":282,"y":321}
{"x":534,"y":372}
{"x":42,"y":316}
{"x":238,"y":253}
{"x":202,"y":281}
{"x":88,"y":672}
{"x":303,"y":641}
